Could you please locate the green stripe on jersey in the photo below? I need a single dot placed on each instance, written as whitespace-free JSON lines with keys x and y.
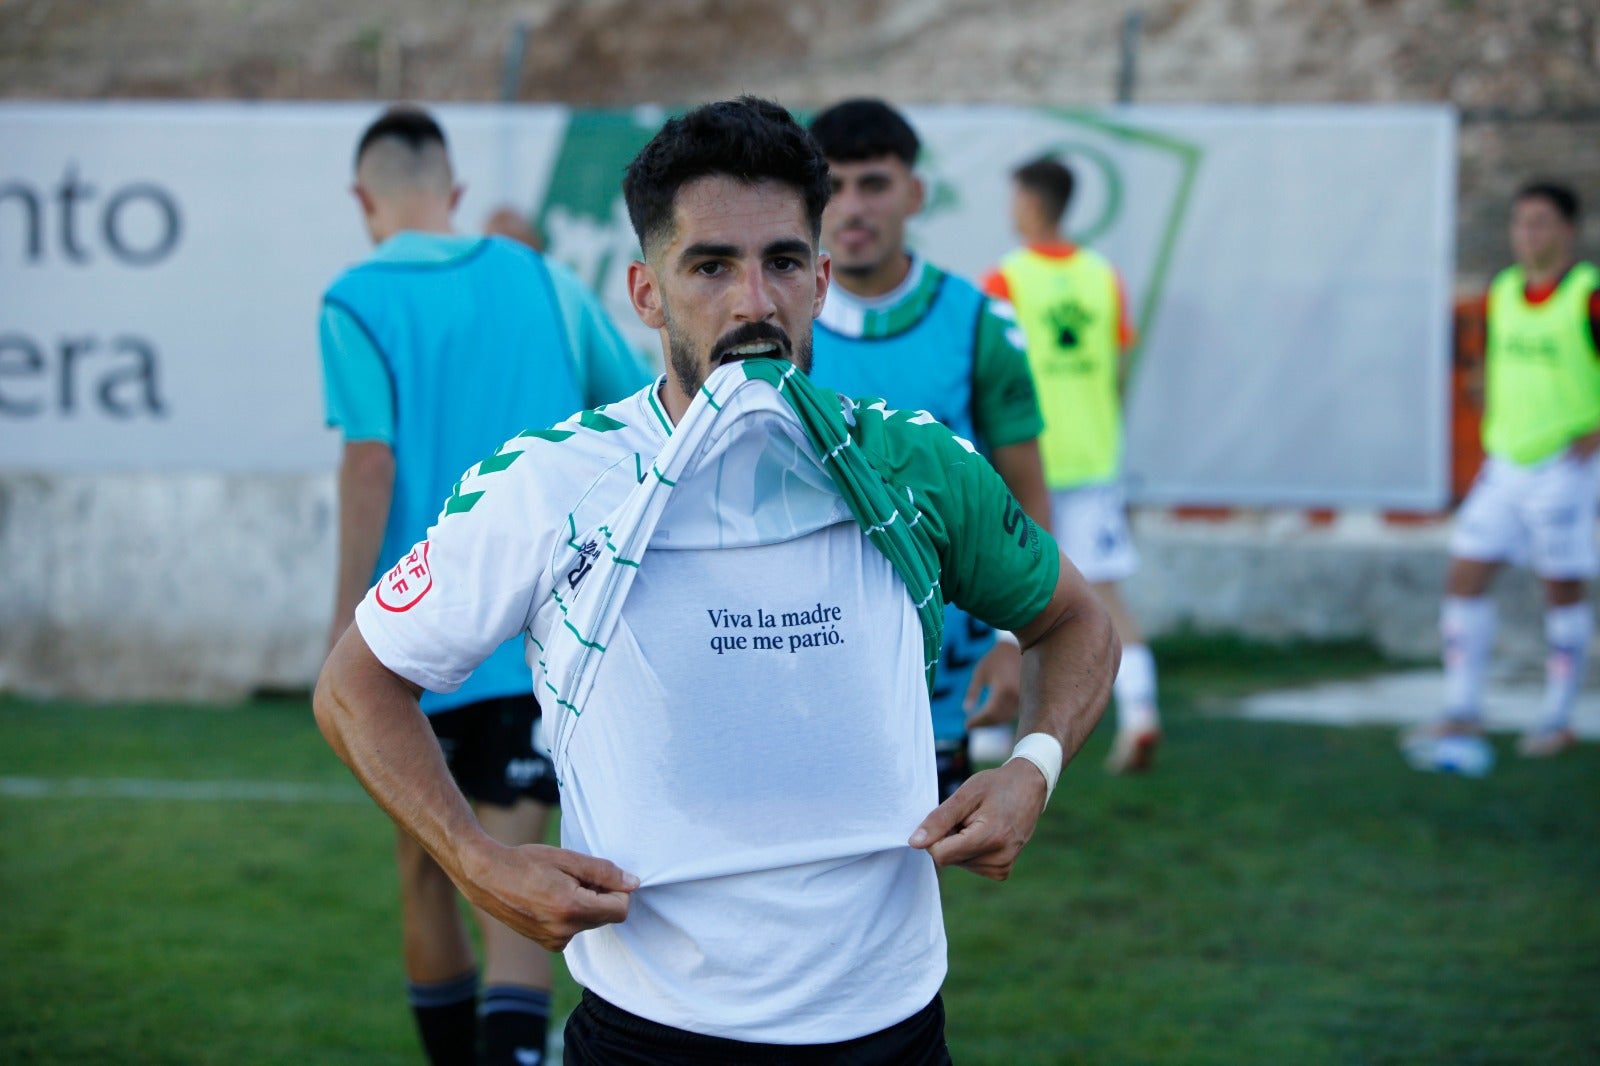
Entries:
{"x":910,"y":309}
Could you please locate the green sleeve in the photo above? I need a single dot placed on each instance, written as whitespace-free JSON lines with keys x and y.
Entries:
{"x":607,"y":368}
{"x":1005,"y":408}
{"x":994,"y":562}
{"x":356,"y":384}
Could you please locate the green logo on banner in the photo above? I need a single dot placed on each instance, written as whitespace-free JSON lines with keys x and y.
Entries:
{"x":583,"y":213}
{"x":586,"y":221}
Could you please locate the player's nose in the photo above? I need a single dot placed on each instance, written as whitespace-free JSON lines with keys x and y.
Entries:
{"x":754,"y":301}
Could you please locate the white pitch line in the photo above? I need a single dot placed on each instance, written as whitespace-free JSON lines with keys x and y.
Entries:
{"x":1409,"y":698}
{"x":154,"y":789}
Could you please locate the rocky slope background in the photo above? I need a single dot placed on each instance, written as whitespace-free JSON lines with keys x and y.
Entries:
{"x":1525,"y":74}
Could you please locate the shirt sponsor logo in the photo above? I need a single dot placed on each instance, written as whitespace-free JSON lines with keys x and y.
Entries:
{"x":401,"y":588}
{"x":520,"y":773}
{"x":1016,"y":521}
{"x":586,"y":557}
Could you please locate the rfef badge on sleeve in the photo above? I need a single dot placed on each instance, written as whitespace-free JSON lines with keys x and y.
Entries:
{"x":401,"y":588}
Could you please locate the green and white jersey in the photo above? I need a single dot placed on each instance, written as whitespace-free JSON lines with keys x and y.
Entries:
{"x":730,"y":622}
{"x":936,"y":344}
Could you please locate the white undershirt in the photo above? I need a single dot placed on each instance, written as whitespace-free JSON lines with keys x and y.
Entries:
{"x":797,"y":755}
{"x":845,"y":312}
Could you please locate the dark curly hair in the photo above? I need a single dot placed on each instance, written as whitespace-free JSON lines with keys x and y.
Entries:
{"x":1560,"y":197}
{"x":865,"y":128}
{"x":749,"y":139}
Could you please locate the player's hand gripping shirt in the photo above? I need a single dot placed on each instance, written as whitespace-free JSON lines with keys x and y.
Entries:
{"x":724,"y":623}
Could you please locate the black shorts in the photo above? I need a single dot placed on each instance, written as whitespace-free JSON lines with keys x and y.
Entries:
{"x":954,"y":765}
{"x":488,"y":746}
{"x":600,"y":1034}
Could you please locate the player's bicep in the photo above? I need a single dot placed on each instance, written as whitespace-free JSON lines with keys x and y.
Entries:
{"x":1071,"y":597}
{"x":998,"y":564}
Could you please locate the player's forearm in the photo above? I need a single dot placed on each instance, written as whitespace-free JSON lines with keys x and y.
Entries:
{"x":1070,"y":657}
{"x":371,"y":719}
{"x":366,"y":489}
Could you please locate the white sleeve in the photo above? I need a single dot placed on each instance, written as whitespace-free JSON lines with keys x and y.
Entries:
{"x":472,"y":584}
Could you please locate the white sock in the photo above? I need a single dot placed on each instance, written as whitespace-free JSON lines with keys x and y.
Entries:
{"x":1466,"y":625}
{"x":1135,"y":689}
{"x":1567,"y":632}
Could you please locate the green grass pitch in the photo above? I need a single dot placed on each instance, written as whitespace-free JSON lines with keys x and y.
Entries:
{"x":1270,"y":894}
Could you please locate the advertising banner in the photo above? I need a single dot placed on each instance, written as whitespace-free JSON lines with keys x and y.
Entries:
{"x":1288,"y":271}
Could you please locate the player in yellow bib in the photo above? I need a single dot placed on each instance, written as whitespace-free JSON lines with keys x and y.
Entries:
{"x":1534,"y":502}
{"x":1071,"y":305}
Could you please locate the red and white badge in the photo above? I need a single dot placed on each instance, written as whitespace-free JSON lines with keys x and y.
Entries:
{"x":401,"y":588}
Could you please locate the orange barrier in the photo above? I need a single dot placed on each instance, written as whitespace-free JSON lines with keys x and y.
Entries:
{"x":1466,"y":394}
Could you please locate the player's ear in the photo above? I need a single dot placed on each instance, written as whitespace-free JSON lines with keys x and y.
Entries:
{"x":456,"y":193}
{"x":824,"y":277}
{"x":364,"y":198}
{"x":919,"y":194}
{"x":644,"y":290}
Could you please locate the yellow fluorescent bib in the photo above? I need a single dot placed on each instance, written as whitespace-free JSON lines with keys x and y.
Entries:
{"x":1068,"y":308}
{"x":1542,"y":385}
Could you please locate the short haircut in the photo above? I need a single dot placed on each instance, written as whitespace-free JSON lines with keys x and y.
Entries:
{"x":853,"y":131}
{"x":1050,"y":180}
{"x":1561,"y":197}
{"x":748,"y":139}
{"x":408,"y":150}
{"x":403,"y":122}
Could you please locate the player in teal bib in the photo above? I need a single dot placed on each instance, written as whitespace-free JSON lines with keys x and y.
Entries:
{"x":435,"y":350}
{"x":897,"y":326}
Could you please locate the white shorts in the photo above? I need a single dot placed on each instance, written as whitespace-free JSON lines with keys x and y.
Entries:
{"x":1541,"y":516}
{"x":1091,"y":525}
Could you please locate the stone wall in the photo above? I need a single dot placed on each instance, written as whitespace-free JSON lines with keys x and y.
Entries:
{"x":200,"y":587}
{"x":206,"y":587}
{"x":1524,"y":73}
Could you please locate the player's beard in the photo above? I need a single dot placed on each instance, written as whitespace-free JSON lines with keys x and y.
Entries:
{"x":691,"y":369}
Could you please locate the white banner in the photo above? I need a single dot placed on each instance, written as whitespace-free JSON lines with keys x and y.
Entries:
{"x":1289,"y":270}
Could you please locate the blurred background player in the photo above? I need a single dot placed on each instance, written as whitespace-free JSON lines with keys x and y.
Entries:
{"x":507,"y":221}
{"x":1071,"y":305}
{"x":436,"y":350}
{"x":1534,"y":500}
{"x":897,"y":327}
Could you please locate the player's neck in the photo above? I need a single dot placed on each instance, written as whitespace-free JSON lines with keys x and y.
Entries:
{"x":1537,"y":275}
{"x":413,"y":215}
{"x":672,"y":398}
{"x":1036,"y":235}
{"x":873,"y":283}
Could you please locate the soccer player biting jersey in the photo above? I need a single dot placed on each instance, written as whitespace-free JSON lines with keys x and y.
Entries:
{"x":713,"y":902}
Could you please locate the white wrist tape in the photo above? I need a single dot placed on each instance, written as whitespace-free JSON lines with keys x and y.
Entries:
{"x":1044,"y":751}
{"x":1005,"y":636}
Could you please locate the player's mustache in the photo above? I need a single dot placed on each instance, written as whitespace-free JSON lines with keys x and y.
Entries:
{"x":752,"y":333}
